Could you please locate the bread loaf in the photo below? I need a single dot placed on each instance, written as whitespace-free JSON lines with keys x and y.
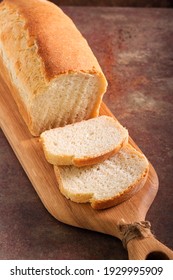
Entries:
{"x":105,"y":184}
{"x":84,"y":143}
{"x":51,"y":71}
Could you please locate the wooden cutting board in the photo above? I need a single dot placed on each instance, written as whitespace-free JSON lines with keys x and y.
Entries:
{"x":29,"y":152}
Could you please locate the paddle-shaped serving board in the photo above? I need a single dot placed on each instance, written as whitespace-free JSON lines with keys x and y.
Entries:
{"x":30,"y":154}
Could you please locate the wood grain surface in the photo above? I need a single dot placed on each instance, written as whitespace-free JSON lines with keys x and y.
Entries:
{"x":30,"y":154}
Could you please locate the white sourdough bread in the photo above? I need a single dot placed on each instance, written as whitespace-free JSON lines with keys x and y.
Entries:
{"x":84,"y":143}
{"x":51,"y":71}
{"x":105,"y":184}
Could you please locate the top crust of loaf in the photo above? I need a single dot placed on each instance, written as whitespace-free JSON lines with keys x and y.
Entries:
{"x":51,"y":71}
{"x":71,"y":53}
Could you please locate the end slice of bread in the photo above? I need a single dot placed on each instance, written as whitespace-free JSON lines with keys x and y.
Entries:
{"x":84,"y":143}
{"x":106,"y":184}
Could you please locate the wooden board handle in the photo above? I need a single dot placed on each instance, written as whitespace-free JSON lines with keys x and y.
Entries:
{"x":141,"y":243}
{"x":148,"y":248}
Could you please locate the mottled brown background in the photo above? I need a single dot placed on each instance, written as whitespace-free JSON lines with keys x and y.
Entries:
{"x":135,"y":49}
{"x":116,"y":3}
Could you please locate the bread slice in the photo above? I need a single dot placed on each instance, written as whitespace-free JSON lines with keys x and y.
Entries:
{"x":84,"y":143}
{"x":52,"y":73}
{"x":106,"y":184}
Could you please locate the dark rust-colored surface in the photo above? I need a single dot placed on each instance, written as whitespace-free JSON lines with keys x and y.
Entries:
{"x":116,"y":3}
{"x":135,"y":50}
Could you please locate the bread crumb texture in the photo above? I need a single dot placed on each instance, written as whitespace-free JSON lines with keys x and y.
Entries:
{"x":57,"y":77}
{"x":83,"y":140}
{"x":106,"y":181}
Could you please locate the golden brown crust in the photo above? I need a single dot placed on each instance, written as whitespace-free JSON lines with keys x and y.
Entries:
{"x":123,"y":196}
{"x":79,"y":162}
{"x":98,"y":159}
{"x":65,"y":159}
{"x":107,"y":202}
{"x":15,"y":93}
{"x":60,"y":45}
{"x":78,"y":198}
{"x":46,"y":47}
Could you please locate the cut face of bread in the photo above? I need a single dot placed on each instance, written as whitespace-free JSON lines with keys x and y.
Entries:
{"x":84,"y":143}
{"x":51,"y":71}
{"x":106,"y":184}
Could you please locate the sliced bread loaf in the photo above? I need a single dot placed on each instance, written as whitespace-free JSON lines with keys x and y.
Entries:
{"x":106,"y":184}
{"x":51,"y":71}
{"x":84,"y":143}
